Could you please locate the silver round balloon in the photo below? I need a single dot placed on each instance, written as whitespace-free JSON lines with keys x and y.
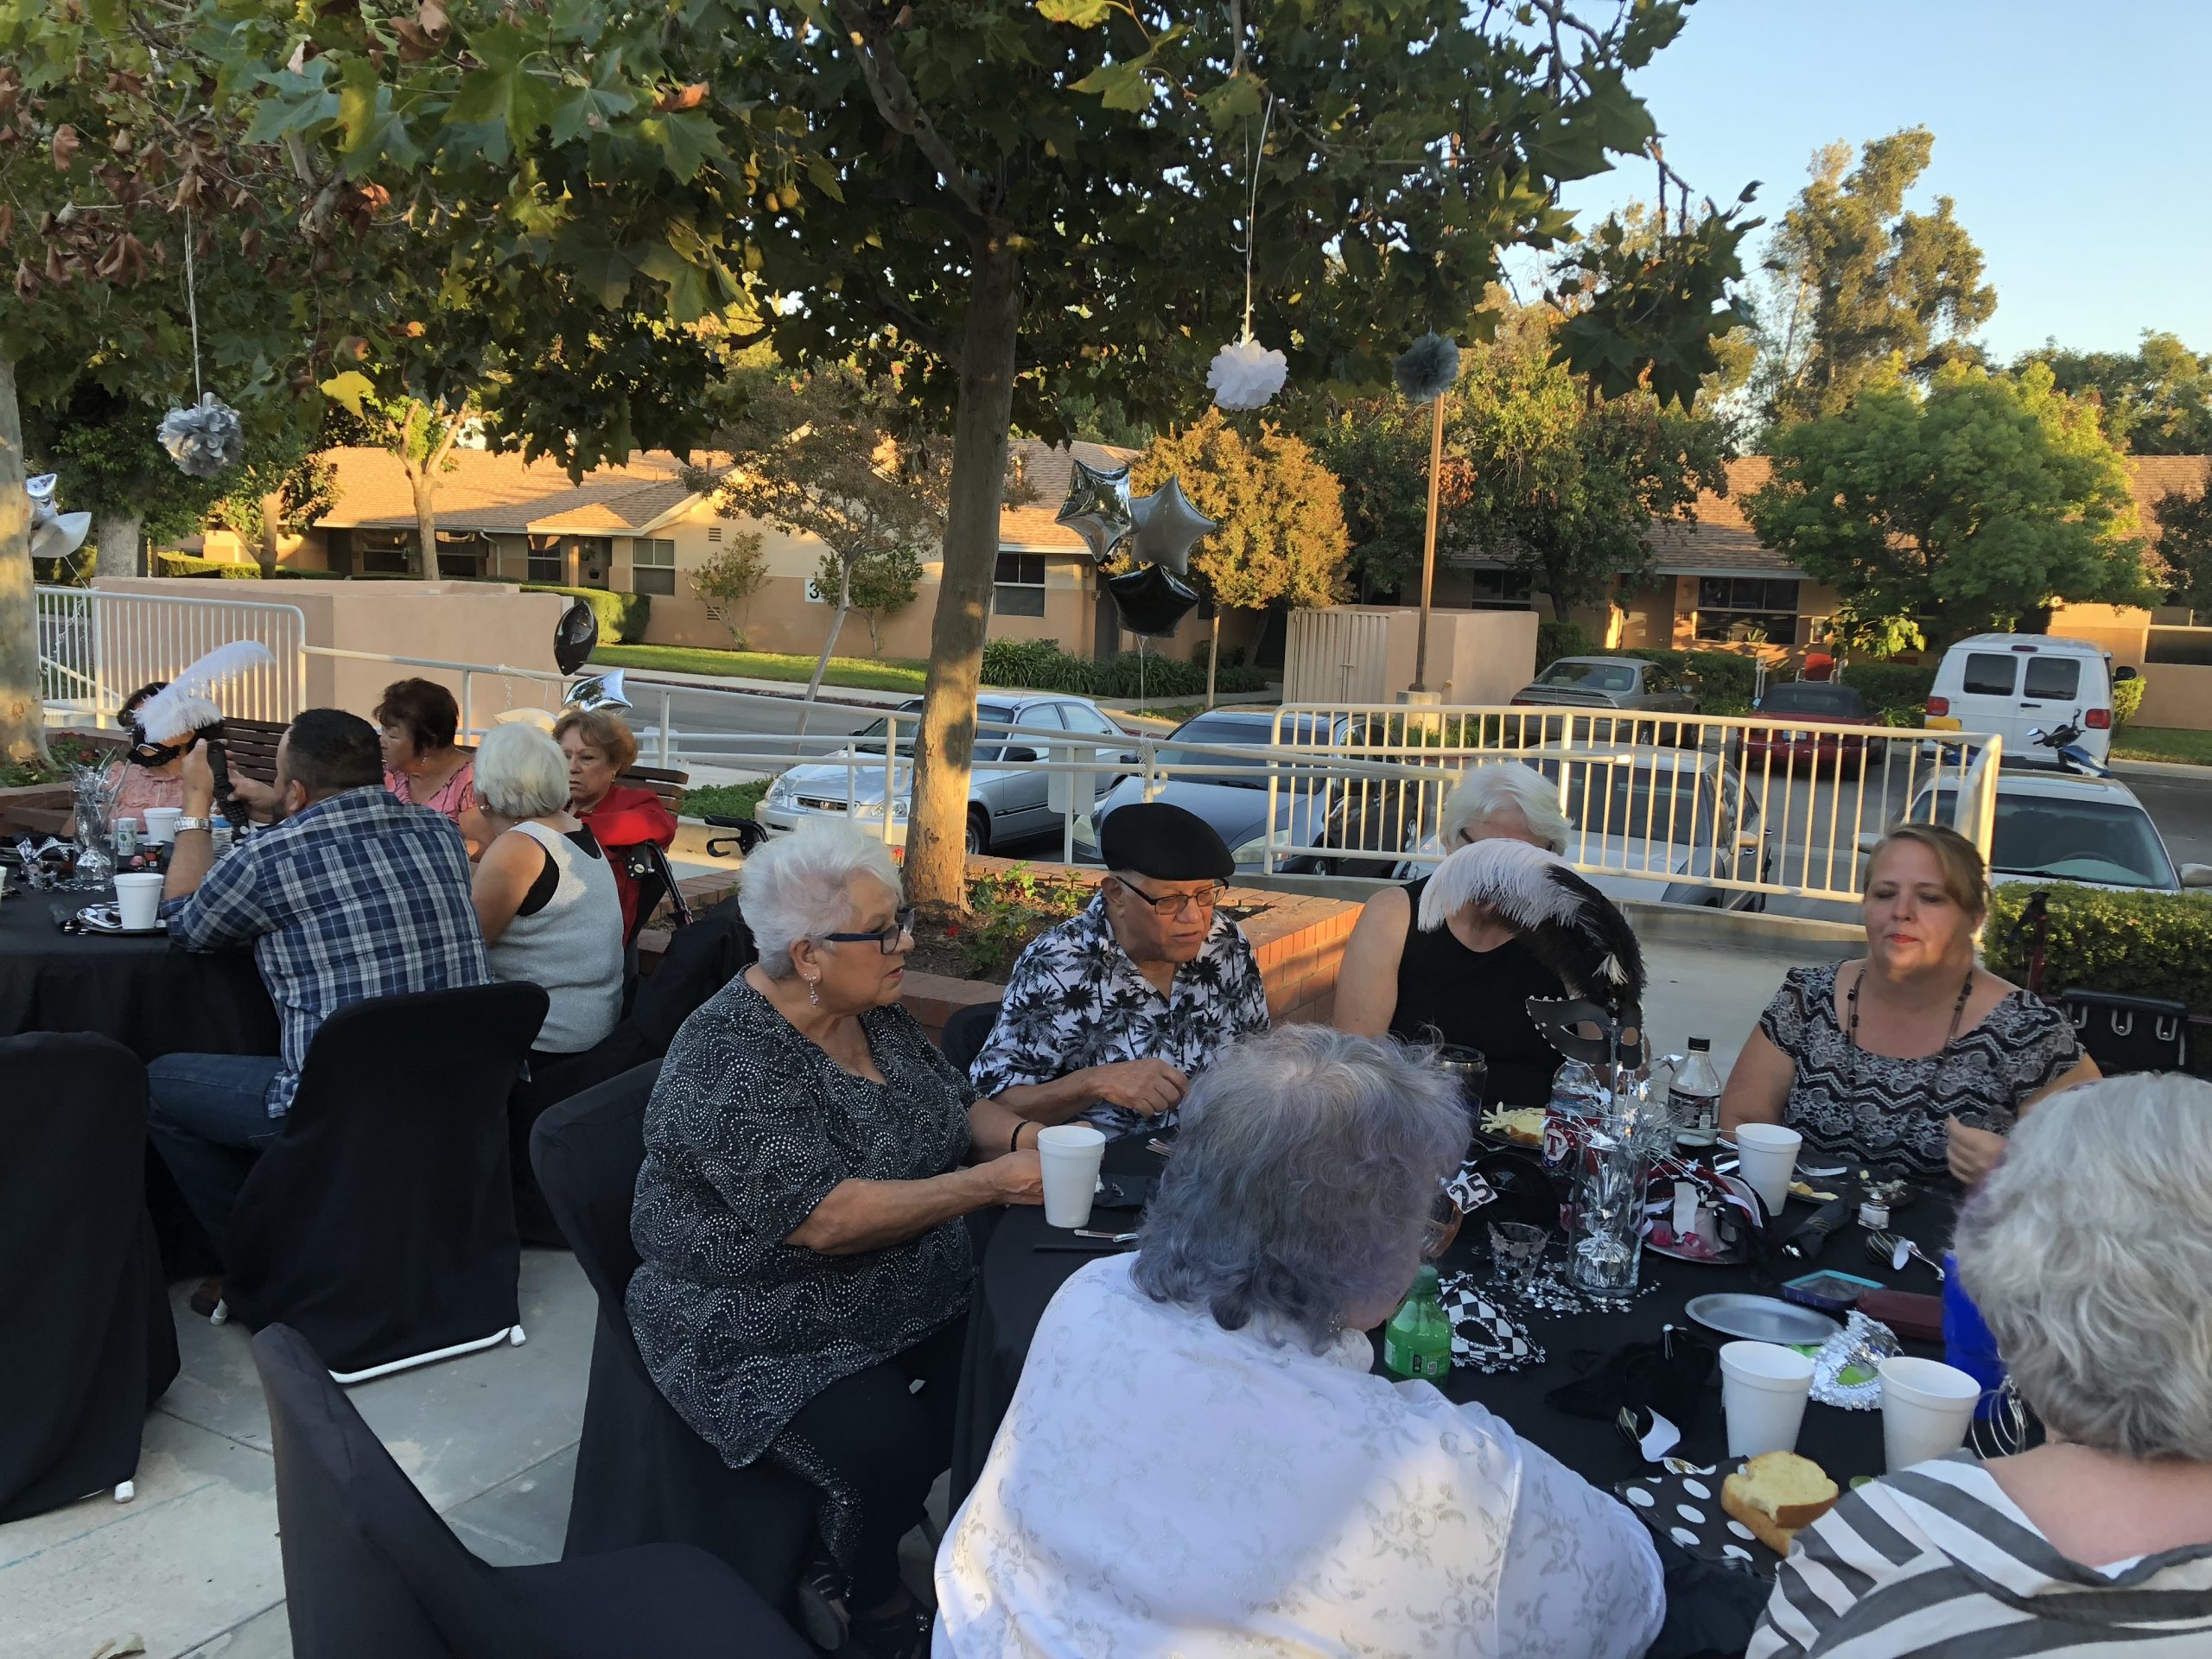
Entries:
{"x":1097,"y":508}
{"x":1168,"y":526}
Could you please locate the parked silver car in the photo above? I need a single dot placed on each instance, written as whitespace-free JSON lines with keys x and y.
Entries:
{"x":1003,"y":806}
{"x":1616,"y":684}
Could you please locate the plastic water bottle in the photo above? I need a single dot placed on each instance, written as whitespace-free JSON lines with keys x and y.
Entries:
{"x":1694,"y":1097}
{"x":1418,"y":1340}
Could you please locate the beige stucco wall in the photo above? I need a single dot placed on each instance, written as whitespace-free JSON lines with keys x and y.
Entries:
{"x":2176,"y":694}
{"x":459,"y":622}
{"x":2123,"y":630}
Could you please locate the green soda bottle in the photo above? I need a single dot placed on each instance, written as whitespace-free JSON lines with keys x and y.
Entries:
{"x":1418,"y":1340}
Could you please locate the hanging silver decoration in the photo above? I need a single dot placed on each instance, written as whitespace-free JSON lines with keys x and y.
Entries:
{"x":1168,"y":526}
{"x":597,"y":692}
{"x":1428,"y":368}
{"x":1097,"y":508}
{"x":53,"y":535}
{"x":205,"y":440}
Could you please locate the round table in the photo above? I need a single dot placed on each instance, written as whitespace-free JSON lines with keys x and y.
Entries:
{"x":150,"y":998}
{"x":1018,"y":1279}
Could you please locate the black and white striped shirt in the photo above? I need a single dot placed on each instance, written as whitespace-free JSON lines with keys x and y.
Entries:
{"x":1937,"y":1560}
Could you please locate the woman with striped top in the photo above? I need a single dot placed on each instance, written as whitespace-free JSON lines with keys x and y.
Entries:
{"x":2089,"y":1251}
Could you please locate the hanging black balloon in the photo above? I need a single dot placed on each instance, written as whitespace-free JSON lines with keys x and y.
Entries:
{"x":1151,"y":601}
{"x":574,"y":636}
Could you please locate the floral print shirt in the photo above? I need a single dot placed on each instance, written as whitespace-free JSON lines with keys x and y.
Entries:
{"x":1076,"y":999}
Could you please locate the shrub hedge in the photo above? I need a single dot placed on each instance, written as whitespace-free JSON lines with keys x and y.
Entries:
{"x":2127,"y":700}
{"x":1897,"y":692}
{"x":1721,"y":679}
{"x":1558,"y":639}
{"x":1041,"y":666}
{"x":2154,"y":944}
{"x":184,"y":564}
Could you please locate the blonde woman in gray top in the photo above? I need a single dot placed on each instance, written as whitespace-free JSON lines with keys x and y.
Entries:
{"x":545,"y":896}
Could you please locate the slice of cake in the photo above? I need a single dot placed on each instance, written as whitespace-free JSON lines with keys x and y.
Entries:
{"x":1778,"y":1493}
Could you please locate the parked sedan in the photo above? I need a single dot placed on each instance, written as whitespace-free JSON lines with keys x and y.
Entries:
{"x":1813,"y":728}
{"x":1235,"y":802}
{"x":1003,"y":806}
{"x":1615,"y":684}
{"x":2059,"y":826}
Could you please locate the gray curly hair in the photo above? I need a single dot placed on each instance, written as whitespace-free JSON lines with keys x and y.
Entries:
{"x":1502,"y":789}
{"x":794,"y":887}
{"x":2089,"y":1251}
{"x":1303,"y":1181}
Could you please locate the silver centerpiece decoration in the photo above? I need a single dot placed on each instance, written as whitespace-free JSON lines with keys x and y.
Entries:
{"x":95,"y":788}
{"x":1606,"y":1239}
{"x":1862,"y":1345}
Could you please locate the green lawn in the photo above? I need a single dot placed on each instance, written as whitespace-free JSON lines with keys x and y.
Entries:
{"x":862,"y":673}
{"x":2162,"y":743}
{"x":724,"y":800}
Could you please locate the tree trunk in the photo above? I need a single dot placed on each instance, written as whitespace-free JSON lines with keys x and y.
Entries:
{"x":425,"y":489}
{"x":937,"y":834}
{"x":22,"y":711}
{"x":119,"y":550}
{"x":829,"y":644}
{"x":272,"y":529}
{"x":1213,"y":653}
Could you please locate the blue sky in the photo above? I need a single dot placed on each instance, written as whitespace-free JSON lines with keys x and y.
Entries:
{"x":2076,"y":141}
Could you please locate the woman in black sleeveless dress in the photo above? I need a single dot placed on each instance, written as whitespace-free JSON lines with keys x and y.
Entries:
{"x":1467,"y":984}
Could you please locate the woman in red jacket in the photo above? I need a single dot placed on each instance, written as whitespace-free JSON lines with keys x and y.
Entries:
{"x":600,"y":748}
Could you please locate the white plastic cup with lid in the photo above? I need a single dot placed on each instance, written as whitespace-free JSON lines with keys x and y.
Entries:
{"x":1763,"y":1391}
{"x":1069,"y":1155}
{"x":1766,"y":1157}
{"x":139,"y":899}
{"x":1926,"y":1408}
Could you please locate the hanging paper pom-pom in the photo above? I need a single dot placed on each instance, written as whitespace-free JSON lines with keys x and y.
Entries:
{"x":204,"y":440}
{"x":1429,"y":366}
{"x":1247,"y":374}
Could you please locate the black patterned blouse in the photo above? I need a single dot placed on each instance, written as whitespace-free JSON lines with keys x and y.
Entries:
{"x":1888,"y":1113}
{"x":749,"y":1127}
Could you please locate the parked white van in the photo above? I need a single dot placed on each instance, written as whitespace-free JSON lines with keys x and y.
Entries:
{"x":2013,"y":684}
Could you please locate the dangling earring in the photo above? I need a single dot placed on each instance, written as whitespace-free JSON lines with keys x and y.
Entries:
{"x":814,"y":991}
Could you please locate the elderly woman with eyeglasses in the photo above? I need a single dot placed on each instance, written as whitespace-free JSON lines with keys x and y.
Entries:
{"x":802,"y":1288}
{"x":1278,"y":1497}
{"x":1110,"y":1015}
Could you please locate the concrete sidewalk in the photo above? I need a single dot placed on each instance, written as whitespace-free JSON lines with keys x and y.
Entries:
{"x":192,"y":1566}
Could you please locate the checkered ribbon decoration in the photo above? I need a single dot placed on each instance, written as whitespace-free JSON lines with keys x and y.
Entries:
{"x":1484,"y":1336}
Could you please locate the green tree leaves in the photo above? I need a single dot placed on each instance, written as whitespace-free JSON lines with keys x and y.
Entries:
{"x":1991,"y":497}
{"x":1282,"y":539}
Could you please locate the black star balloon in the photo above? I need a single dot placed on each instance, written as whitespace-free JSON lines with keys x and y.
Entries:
{"x":1151,"y":600}
{"x":1097,"y":508}
{"x":1168,"y":525}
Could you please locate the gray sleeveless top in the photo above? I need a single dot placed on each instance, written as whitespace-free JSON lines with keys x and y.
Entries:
{"x":571,"y":944}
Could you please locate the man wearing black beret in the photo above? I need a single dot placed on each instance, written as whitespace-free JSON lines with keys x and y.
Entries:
{"x":1110,"y":1015}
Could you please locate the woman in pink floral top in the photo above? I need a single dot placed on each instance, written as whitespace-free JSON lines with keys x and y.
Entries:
{"x":419,"y":721}
{"x":145,"y":787}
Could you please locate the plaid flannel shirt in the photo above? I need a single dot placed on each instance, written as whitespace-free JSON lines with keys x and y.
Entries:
{"x":360,"y":895}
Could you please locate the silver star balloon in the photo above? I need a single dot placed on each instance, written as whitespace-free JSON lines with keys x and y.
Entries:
{"x":1168,"y":526}
{"x":1097,"y":508}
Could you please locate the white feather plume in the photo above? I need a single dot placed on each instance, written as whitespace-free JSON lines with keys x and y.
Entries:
{"x":188,"y":702}
{"x":1511,"y":877}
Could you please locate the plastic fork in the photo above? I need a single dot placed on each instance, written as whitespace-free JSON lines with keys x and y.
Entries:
{"x":1896,"y":1251}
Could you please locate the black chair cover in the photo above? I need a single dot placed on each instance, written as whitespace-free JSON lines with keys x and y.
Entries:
{"x":700,"y":960}
{"x":380,"y":1223}
{"x":966,"y":1030}
{"x":86,"y":1344}
{"x":372,"y":1572}
{"x":2129,"y":1033}
{"x":642,"y":1475}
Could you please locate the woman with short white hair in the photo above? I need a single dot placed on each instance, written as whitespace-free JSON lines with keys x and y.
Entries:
{"x":2089,"y":1252}
{"x":1198,"y":1459}
{"x":1468,"y":982}
{"x":803,"y":1289}
{"x":544,"y":895}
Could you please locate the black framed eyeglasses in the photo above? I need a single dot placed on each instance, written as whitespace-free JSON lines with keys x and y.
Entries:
{"x":1174,"y":904}
{"x":887,"y":939}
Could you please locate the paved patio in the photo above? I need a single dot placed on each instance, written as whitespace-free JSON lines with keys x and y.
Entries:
{"x":192,"y":1566}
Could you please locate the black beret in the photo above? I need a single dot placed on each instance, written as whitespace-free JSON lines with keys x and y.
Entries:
{"x":1165,"y":843}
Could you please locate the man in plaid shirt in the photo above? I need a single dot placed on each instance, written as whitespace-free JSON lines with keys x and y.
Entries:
{"x":351,"y":894}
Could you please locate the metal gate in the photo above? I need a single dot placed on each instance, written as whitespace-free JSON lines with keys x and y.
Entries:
{"x":96,"y":648}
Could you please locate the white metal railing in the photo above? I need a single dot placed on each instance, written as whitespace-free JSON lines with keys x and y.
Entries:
{"x":1708,"y":805}
{"x":1704,"y":808}
{"x":95,"y":648}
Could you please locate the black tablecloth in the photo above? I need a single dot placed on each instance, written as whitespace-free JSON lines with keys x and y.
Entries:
{"x":1018,"y":1279}
{"x":151,"y":999}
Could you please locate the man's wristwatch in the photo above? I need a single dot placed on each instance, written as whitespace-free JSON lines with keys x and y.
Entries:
{"x":183,"y":824}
